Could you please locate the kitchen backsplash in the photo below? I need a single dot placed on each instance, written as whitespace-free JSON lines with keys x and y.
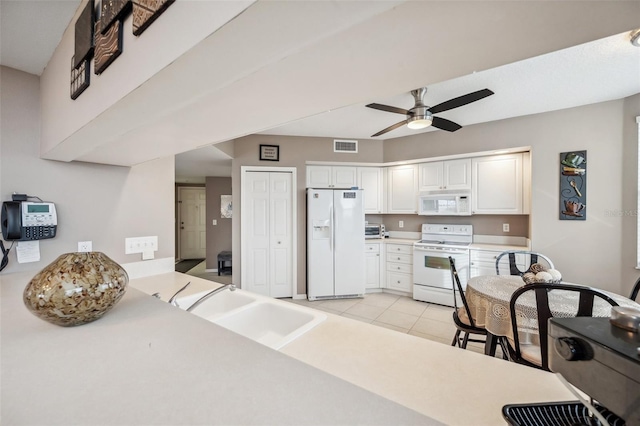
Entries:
{"x":482,"y":224}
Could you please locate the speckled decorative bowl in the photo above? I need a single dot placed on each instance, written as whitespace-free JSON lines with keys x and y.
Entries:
{"x":76,"y":288}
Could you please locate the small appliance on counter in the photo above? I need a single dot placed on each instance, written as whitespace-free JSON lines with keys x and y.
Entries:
{"x":374,"y":230}
{"x":599,"y":358}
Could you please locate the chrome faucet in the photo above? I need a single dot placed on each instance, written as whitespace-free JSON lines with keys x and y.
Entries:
{"x":173,"y":298}
{"x":231,"y":287}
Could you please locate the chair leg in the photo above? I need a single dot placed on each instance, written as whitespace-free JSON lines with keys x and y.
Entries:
{"x":503,"y":347}
{"x":465,"y":340}
{"x":456,"y":341}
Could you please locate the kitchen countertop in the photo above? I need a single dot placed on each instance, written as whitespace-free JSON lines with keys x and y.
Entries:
{"x":391,"y":240}
{"x":147,"y":362}
{"x":426,"y":376}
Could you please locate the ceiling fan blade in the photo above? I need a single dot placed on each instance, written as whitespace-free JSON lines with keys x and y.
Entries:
{"x":389,"y":108}
{"x":444,"y":124}
{"x":460,"y":101}
{"x":390,"y":128}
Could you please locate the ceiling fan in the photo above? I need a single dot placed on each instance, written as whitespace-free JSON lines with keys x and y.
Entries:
{"x":421,"y":116}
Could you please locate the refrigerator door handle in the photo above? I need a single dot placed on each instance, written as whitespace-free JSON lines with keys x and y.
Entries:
{"x":331,"y":227}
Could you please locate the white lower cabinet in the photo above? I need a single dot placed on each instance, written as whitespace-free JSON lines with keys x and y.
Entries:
{"x":373,"y":264}
{"x":483,"y":262}
{"x":399,"y":267}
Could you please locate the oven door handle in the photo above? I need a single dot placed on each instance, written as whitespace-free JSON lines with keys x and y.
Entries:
{"x":445,"y":253}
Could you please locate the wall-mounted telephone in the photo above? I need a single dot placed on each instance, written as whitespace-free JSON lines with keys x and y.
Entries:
{"x":26,"y":220}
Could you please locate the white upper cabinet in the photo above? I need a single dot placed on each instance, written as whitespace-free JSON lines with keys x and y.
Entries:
{"x":370,"y":180}
{"x":498,"y":184}
{"x":331,"y":177}
{"x":402,"y":189}
{"x":452,"y":174}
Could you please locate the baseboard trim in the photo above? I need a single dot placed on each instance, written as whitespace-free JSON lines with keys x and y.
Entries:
{"x":299,"y":296}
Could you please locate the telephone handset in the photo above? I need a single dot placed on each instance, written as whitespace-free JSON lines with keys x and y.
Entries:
{"x":25,"y":220}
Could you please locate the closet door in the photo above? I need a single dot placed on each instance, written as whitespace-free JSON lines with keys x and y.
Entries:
{"x":269,"y":233}
{"x":280,"y":235}
{"x":257,"y":229}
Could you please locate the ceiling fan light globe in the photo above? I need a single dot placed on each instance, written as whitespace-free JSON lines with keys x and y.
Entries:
{"x":418,"y":123}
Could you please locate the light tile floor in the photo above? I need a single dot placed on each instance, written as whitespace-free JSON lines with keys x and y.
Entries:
{"x":399,"y":313}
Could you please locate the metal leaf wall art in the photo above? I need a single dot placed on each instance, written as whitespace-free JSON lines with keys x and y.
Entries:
{"x":99,"y":35}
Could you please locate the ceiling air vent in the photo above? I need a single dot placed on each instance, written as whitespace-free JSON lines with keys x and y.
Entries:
{"x":340,"y":145}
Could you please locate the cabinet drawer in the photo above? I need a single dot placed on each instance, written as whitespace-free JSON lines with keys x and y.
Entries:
{"x":484,"y":256}
{"x":399,"y":267}
{"x":398,"y":281}
{"x":399,"y":248}
{"x":372,"y":248}
{"x":399,"y":257}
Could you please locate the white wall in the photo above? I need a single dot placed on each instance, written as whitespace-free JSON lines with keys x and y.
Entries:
{"x":142,"y":57}
{"x":103,"y":204}
{"x":599,"y":251}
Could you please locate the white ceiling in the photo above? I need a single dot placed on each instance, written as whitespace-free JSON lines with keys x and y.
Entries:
{"x":31,"y":30}
{"x":594,"y":72}
{"x":598,"y":71}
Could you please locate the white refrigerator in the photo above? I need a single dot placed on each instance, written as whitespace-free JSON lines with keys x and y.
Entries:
{"x":335,"y":243}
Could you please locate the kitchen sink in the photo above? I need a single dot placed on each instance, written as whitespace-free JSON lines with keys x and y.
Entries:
{"x":272,"y":324}
{"x":217,"y":305}
{"x":268,"y":321}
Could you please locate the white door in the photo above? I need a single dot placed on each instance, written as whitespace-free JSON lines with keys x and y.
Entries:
{"x":280,"y":235}
{"x":402,"y":187}
{"x":192,"y":210}
{"x":497,"y":184}
{"x":344,"y":177}
{"x":267,"y":226}
{"x":457,"y":174}
{"x":431,"y":176}
{"x":348,"y":226}
{"x":320,"y":243}
{"x":370,"y":179}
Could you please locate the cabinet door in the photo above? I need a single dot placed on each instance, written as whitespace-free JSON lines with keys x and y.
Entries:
{"x":370,"y":179}
{"x":402,"y":182}
{"x":344,"y":177}
{"x":319,"y":176}
{"x":431,"y":176}
{"x":372,"y":270}
{"x":497,"y":184}
{"x":457,"y":174}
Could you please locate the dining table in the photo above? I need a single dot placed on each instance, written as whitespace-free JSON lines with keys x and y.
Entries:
{"x":489,"y":297}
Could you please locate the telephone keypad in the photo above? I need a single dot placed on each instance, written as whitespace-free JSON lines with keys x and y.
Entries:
{"x":39,"y":232}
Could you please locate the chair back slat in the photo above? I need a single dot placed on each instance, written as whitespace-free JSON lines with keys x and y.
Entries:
{"x":532,"y":258}
{"x":456,"y":285}
{"x":541,"y":291}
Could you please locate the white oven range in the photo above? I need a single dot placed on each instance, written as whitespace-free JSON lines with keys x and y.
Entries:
{"x":431,"y":272}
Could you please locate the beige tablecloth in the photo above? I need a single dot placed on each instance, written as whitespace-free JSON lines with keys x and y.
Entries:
{"x":488,"y":297}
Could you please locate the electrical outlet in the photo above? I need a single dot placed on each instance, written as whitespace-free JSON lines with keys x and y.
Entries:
{"x":85,"y":246}
{"x":214,"y":222}
{"x":505,"y":227}
{"x":401,"y":224}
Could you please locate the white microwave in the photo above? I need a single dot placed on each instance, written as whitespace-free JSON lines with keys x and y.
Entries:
{"x":445,"y":203}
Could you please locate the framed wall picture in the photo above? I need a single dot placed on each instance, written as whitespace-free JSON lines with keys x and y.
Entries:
{"x":573,"y":185}
{"x":269,"y":153}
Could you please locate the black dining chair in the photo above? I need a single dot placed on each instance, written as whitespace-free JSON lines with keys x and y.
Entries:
{"x":537,"y":355}
{"x":462,"y":315}
{"x":635,"y":290}
{"x":529,"y":256}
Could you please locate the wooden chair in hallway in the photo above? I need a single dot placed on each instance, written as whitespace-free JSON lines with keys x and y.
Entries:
{"x":462,"y":315}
